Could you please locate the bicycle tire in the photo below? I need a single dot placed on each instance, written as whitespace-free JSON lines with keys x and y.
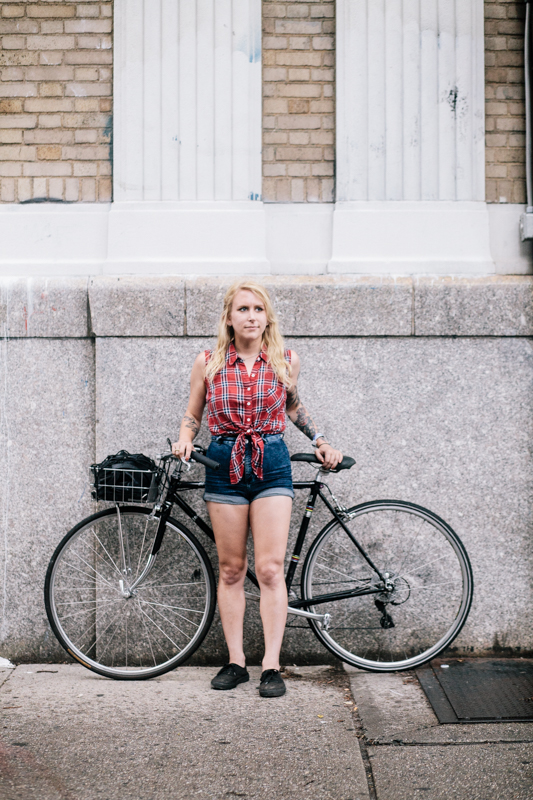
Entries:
{"x":430,"y":572}
{"x":137,"y":637}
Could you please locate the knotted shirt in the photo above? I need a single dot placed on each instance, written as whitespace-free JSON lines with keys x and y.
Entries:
{"x":244,"y":405}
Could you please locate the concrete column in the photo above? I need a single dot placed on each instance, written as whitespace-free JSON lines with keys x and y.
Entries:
{"x":410,"y":137}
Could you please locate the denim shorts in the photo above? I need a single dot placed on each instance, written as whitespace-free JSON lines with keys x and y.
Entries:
{"x":277,"y":472}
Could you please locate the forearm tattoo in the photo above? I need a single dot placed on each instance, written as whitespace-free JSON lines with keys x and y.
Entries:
{"x":304,"y":422}
{"x":191,"y":423}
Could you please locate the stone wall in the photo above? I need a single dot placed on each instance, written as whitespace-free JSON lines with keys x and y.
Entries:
{"x":428,"y":383}
{"x":298,"y":101}
{"x":55,"y":101}
{"x":505,"y":111}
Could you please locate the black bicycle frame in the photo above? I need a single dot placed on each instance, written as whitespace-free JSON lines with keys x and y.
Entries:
{"x":315,"y":490}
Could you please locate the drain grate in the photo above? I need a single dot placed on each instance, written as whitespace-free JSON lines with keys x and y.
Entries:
{"x":479,"y":690}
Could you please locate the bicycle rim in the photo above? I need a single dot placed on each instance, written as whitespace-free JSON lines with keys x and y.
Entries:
{"x":140,"y":636}
{"x":430,"y":586}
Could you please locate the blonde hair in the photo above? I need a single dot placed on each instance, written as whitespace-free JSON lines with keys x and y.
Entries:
{"x":272,"y":338}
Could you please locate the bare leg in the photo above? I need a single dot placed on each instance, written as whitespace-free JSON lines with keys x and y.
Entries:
{"x":230,"y":526}
{"x":270,"y":519}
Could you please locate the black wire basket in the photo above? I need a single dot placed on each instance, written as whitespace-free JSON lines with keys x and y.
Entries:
{"x":126,"y":478}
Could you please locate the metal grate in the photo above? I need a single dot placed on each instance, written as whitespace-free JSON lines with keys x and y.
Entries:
{"x":479,"y":690}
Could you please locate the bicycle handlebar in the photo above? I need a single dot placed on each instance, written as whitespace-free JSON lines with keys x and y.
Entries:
{"x":207,"y":462}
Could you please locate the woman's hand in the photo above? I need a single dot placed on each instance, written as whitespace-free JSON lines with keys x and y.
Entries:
{"x":182,"y":449}
{"x":329,"y":457}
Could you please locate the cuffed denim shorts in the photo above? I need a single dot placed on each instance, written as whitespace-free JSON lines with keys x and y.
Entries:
{"x":277,"y":472}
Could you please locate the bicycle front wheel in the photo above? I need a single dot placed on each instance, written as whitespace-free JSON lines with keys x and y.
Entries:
{"x":413,"y":611}
{"x":122,"y":635}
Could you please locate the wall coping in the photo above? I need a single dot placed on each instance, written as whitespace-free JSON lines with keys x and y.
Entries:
{"x":324,"y":305}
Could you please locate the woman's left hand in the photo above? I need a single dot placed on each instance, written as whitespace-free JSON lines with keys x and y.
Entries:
{"x":329,"y":457}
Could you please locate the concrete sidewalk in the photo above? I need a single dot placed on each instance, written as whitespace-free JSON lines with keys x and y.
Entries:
{"x":68,"y":734}
{"x":412,"y":756}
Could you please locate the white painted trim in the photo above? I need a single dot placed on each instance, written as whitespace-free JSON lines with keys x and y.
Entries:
{"x":410,"y":238}
{"x":133,"y":238}
{"x":403,"y":238}
{"x":510,"y":254}
{"x":49,"y":239}
{"x":299,"y":237}
{"x":197,"y":237}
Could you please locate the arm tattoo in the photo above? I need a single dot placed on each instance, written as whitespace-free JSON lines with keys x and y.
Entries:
{"x":293,"y":399}
{"x":191,"y":423}
{"x":304,"y":422}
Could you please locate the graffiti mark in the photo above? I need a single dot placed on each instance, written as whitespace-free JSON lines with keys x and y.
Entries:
{"x":453,"y":94}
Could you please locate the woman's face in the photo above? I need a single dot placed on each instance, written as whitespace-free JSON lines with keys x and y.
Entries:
{"x":248,"y":316}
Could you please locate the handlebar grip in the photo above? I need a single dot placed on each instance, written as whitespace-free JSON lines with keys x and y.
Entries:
{"x":207,"y":462}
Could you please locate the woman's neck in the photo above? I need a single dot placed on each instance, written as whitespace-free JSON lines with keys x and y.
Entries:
{"x":248,"y":347}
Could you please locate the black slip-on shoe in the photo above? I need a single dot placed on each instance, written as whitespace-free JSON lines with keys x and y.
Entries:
{"x":230,"y":676}
{"x":272,"y":684}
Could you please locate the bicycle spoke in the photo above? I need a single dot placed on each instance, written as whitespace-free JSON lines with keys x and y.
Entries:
{"x":82,"y":611}
{"x":156,"y":611}
{"x":117,"y":568}
{"x":174,"y":608}
{"x":103,"y":652}
{"x":92,"y":577}
{"x":158,"y":628}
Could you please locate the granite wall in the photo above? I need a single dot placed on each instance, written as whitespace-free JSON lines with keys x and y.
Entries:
{"x":427,"y":383}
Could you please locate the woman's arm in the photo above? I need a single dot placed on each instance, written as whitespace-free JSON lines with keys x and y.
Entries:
{"x":190,"y":424}
{"x":299,"y":415}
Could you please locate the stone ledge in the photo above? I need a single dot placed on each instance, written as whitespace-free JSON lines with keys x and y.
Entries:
{"x":315,"y":306}
{"x":489,"y":306}
{"x":170,"y":306}
{"x":43,"y":307}
{"x":137,"y":306}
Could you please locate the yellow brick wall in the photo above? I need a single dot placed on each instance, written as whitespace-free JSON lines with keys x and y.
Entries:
{"x":55,"y":100}
{"x":505,"y":111}
{"x":298,"y":101}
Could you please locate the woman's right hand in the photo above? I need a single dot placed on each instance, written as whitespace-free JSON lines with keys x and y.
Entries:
{"x":182,"y":449}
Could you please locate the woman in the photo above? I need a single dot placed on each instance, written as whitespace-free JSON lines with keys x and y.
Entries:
{"x":248,"y":382}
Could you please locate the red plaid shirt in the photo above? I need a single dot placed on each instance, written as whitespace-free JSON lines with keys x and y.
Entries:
{"x":242,"y":404}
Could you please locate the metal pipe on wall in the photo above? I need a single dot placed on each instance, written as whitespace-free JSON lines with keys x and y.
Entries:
{"x":526,"y":220}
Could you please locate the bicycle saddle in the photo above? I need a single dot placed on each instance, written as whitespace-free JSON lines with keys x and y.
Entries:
{"x":346,"y":462}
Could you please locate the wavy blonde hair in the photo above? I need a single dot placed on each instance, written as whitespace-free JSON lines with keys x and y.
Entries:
{"x":272,"y":338}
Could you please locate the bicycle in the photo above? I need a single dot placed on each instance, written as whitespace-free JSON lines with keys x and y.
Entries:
{"x":130,"y":592}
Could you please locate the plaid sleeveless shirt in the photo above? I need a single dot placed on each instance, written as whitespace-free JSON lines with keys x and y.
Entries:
{"x":246,"y":405}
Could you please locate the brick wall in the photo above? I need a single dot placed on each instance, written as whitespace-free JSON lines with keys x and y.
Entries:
{"x":505,"y":112}
{"x":55,"y":100}
{"x":56,"y":85}
{"x":298,"y":101}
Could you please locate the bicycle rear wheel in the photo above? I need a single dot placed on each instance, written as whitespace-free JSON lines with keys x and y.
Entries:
{"x":129,"y":637}
{"x":427,"y":600}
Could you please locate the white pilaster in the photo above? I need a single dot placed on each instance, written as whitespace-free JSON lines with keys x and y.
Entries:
{"x":410,"y":135}
{"x":187,"y":90}
{"x":187,"y":137}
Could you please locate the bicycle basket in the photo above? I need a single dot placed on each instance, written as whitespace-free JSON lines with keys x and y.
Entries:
{"x":126,"y":478}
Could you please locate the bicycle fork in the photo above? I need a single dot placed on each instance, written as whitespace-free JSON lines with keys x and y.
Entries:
{"x":129,"y":590}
